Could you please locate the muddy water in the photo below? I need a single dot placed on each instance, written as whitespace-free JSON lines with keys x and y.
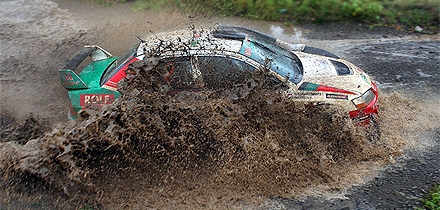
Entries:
{"x":196,"y":149}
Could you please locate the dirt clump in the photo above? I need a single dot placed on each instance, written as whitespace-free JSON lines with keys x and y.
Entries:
{"x":31,"y":128}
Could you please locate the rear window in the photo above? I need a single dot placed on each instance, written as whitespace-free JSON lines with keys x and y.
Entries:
{"x":341,"y":68}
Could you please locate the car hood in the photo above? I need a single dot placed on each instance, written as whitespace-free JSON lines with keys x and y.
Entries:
{"x":320,"y":70}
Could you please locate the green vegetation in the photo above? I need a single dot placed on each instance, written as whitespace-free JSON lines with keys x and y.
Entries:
{"x":395,"y":13}
{"x":432,"y":201}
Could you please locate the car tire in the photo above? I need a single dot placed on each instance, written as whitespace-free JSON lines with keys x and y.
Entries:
{"x":317,"y":51}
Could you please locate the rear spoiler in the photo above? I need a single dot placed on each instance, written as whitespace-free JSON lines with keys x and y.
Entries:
{"x":69,"y":79}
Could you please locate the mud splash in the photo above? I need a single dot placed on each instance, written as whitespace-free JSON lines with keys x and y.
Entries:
{"x":224,"y":148}
{"x":82,"y":165}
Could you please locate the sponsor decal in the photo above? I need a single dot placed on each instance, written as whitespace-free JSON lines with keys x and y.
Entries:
{"x":248,"y":52}
{"x":247,"y":48}
{"x":302,"y":94}
{"x":364,"y":77}
{"x":308,"y":86}
{"x":315,"y":87}
{"x":336,"y":96}
{"x":69,"y":77}
{"x":195,"y":40}
{"x":95,"y":100}
{"x":194,"y":43}
{"x":68,"y":81}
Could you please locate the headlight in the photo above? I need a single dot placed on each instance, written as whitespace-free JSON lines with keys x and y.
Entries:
{"x":364,"y":99}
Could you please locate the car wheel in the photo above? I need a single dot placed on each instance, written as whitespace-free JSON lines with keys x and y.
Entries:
{"x":317,"y":51}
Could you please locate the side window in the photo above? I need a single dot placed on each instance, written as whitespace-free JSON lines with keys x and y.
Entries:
{"x":176,"y":71}
{"x":223,"y":72}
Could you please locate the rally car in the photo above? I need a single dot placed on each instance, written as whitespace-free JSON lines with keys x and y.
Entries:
{"x":221,"y":57}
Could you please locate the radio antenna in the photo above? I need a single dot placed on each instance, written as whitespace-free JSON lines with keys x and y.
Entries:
{"x":140,"y":39}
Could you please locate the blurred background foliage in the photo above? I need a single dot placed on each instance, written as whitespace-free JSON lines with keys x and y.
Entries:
{"x":402,"y":14}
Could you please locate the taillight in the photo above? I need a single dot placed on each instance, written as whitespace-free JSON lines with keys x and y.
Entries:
{"x":365,"y":99}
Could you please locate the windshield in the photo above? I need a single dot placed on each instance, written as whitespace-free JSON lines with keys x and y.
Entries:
{"x":116,"y":65}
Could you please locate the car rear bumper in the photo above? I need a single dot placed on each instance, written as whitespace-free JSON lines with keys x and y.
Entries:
{"x":72,"y":113}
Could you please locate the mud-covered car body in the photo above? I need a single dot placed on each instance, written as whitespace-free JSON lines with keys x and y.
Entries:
{"x":311,"y":74}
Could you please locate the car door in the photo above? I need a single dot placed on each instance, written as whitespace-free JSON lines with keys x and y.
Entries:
{"x":213,"y":72}
{"x":221,"y":72}
{"x":177,"y":71}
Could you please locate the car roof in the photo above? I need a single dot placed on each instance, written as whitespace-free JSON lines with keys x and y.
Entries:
{"x":226,"y":41}
{"x":183,"y":40}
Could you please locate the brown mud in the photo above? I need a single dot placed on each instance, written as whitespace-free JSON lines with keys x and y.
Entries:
{"x":192,"y":150}
{"x":205,"y":149}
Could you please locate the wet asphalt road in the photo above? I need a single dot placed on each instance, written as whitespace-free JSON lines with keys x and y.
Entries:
{"x":397,"y":187}
{"x":409,"y":67}
{"x":412,"y":65}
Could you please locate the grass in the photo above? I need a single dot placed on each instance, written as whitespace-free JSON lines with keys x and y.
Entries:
{"x":432,"y":200}
{"x":402,"y":13}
